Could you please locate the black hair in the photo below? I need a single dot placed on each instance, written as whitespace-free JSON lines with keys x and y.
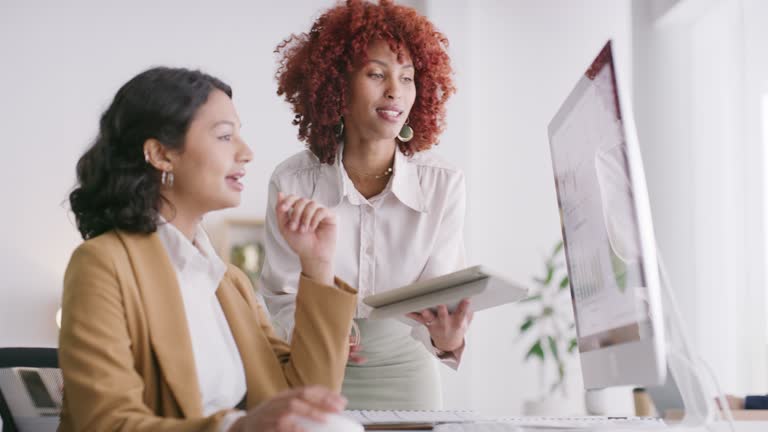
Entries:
{"x":117,"y":188}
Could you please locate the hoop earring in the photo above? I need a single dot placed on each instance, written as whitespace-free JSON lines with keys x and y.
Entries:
{"x":406,"y":133}
{"x":167,"y":178}
{"x":338,"y":128}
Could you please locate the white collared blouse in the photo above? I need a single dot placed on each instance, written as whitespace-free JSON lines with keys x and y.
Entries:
{"x":411,"y":231}
{"x":199,"y":271}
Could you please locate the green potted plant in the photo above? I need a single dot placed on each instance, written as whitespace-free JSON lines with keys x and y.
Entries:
{"x":549,"y":326}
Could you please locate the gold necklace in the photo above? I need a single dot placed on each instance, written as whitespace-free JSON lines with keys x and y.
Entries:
{"x":386,"y":173}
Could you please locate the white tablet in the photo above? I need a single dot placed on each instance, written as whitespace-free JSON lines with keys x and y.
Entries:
{"x":485,"y":289}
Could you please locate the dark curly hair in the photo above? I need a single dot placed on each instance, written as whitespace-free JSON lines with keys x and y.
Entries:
{"x":314,"y":67}
{"x":117,"y":188}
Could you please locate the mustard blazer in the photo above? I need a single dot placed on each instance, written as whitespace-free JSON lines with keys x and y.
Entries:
{"x":125,"y":350}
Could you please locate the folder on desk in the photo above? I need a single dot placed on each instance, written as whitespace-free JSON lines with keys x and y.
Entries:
{"x":483,"y":287}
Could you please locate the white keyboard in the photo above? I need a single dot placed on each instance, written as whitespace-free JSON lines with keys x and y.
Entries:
{"x":515,"y":424}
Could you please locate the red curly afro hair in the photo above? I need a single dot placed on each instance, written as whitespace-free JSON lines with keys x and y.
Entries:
{"x":314,"y":68}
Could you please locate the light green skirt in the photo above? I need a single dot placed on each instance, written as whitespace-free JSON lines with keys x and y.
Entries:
{"x":400,"y":373}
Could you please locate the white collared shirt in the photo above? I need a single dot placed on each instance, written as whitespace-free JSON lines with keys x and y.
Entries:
{"x":411,"y":231}
{"x":199,"y":272}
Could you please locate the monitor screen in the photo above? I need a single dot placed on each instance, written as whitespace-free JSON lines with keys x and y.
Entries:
{"x":606,"y":247}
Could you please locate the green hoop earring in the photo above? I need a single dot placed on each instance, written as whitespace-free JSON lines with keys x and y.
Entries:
{"x":406,"y":133}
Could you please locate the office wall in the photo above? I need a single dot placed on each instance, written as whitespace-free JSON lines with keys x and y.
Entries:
{"x":700,"y":71}
{"x":515,"y":61}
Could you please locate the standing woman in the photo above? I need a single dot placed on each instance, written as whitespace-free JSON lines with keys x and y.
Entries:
{"x":368,"y":85}
{"x":157,"y":333}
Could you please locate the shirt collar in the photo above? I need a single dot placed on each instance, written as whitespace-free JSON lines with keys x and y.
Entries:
{"x":347,"y":187}
{"x":185,"y":254}
{"x":334,"y":184}
{"x":405,"y":183}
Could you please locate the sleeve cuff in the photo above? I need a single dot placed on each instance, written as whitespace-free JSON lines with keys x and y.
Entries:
{"x":451,"y":359}
{"x":338,"y":284}
{"x":229,"y":419}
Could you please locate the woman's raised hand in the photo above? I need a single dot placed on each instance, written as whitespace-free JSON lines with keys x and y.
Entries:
{"x":310,"y":231}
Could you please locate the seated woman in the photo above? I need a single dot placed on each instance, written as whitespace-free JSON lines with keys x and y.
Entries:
{"x":157,"y":332}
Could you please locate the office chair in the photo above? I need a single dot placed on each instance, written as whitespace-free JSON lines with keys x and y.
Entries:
{"x":30,"y":386}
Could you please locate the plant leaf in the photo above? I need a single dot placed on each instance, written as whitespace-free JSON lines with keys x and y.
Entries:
{"x":547,"y":311}
{"x":550,"y":273}
{"x":536,"y":351}
{"x":558,"y":248}
{"x":572,"y":345}
{"x":553,"y":348}
{"x":527,"y":324}
{"x":564,"y":283}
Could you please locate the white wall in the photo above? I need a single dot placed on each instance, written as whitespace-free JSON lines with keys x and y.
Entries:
{"x":700,"y":69}
{"x":516,"y":62}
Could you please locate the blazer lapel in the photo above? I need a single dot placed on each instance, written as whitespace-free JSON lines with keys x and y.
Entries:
{"x":261,"y":366}
{"x":169,"y":332}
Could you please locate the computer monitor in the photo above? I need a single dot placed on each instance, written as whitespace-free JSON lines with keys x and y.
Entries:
{"x":607,"y":231}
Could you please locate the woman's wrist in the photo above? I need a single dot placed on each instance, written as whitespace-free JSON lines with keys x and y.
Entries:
{"x":319,"y":271}
{"x":447,"y":350}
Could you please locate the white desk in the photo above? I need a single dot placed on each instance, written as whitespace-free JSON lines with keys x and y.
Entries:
{"x":741,"y":426}
{"x":454,"y":422}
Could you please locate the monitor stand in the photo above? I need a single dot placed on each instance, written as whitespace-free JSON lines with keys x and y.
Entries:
{"x":696,"y":382}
